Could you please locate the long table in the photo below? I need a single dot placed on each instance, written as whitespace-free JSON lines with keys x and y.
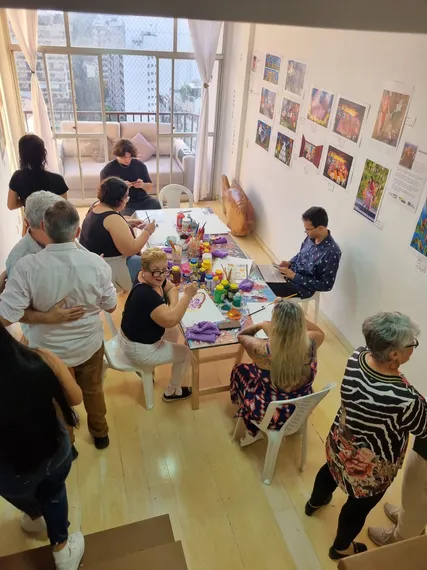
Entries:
{"x":203,"y":352}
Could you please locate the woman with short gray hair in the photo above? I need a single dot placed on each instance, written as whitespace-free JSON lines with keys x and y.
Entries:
{"x":368,"y":438}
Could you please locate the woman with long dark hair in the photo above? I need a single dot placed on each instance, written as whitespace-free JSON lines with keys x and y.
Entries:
{"x":35,"y":449}
{"x":32,"y":174}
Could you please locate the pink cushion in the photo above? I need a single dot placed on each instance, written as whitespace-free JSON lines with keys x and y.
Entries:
{"x":145,"y":149}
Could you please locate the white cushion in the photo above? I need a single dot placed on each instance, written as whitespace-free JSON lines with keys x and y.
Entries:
{"x":149,"y":131}
{"x":145,"y":150}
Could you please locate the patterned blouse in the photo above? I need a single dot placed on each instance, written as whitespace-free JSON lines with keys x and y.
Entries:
{"x":368,"y":439}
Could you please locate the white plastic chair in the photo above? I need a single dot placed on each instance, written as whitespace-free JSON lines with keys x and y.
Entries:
{"x":297,"y":423}
{"x":316,"y":299}
{"x":116,"y":360}
{"x":172,"y":196}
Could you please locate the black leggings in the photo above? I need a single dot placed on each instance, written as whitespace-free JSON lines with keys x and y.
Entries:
{"x":353,"y":514}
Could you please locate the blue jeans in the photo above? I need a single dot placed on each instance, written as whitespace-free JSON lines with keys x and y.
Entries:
{"x":134,"y":266}
{"x":42,"y":493}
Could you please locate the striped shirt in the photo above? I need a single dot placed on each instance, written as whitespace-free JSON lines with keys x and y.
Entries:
{"x":368,"y":439}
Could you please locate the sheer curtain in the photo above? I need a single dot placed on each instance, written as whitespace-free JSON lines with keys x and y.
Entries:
{"x":205,"y":36}
{"x":25,"y":27}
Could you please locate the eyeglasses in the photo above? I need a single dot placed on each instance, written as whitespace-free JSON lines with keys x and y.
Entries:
{"x":415,"y":344}
{"x":158,"y":273}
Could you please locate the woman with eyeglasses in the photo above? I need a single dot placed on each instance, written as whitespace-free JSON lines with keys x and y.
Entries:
{"x":106,"y":232}
{"x":368,"y":438}
{"x":149,"y":333}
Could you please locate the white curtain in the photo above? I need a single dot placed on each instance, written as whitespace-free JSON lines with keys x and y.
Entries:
{"x":25,"y":27}
{"x":205,"y":36}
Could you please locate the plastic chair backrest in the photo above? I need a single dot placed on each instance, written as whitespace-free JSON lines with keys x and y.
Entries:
{"x":111,"y":325}
{"x":172,"y":196}
{"x":303,"y":408}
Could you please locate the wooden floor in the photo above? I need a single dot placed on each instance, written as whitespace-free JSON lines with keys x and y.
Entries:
{"x":179,"y":461}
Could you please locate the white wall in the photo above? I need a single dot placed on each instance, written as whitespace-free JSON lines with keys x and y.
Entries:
{"x":377,"y":271}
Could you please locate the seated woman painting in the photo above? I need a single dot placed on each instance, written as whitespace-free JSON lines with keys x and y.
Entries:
{"x":367,"y":441}
{"x":284,"y":367}
{"x":106,"y":232}
{"x":149,"y":332}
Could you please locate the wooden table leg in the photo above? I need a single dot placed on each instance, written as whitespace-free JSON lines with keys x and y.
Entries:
{"x":195,"y":364}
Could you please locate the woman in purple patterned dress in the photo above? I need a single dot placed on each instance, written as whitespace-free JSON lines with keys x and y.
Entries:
{"x":284,"y":367}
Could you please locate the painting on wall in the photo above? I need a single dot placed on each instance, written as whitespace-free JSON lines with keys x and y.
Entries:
{"x":295,"y":76}
{"x":371,"y":190}
{"x":311,"y":152}
{"x":391,"y":117}
{"x":419,"y":239}
{"x":338,"y":166}
{"x":263,"y":135}
{"x":289,"y":114}
{"x":349,"y":119}
{"x":272,"y":68}
{"x":284,"y":147}
{"x":268,"y":101}
{"x":320,"y":107}
{"x":409,"y":153}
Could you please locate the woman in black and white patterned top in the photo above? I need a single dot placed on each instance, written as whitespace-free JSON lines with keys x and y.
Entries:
{"x":368,"y":439}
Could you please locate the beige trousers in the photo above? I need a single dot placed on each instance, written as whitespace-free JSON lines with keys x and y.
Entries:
{"x":413,"y":514}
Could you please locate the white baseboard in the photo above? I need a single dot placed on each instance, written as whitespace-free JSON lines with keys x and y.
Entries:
{"x":335,"y":330}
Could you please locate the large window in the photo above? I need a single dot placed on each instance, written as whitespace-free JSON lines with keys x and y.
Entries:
{"x":106,"y":76}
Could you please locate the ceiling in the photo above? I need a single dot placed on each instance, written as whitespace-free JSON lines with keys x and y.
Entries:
{"x":381,"y":15}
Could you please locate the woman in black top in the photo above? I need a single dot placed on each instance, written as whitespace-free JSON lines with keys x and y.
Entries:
{"x":128,"y":167}
{"x":35,"y":449}
{"x":149,"y":332}
{"x":32,"y":175}
{"x":106,"y":232}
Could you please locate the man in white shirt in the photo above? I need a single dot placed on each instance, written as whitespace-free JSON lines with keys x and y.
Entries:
{"x":34,"y":241}
{"x":62,"y":271}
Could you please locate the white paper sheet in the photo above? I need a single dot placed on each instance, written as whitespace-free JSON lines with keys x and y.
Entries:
{"x":207,"y":311}
{"x":167,"y":219}
{"x":264,"y":315}
{"x":240,"y":267}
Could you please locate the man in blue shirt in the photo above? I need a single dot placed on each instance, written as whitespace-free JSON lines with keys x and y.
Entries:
{"x":314,"y":267}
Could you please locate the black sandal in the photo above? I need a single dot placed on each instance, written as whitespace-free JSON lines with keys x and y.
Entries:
{"x":310,"y":510}
{"x":358,"y":548}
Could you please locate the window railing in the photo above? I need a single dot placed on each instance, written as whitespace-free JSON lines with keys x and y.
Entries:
{"x":184,"y":122}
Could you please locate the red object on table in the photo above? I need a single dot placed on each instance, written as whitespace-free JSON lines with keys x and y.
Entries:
{"x":180,"y":216}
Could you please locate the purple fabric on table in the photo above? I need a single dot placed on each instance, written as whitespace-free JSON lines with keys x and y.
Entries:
{"x":246,"y":285}
{"x":204,"y":331}
{"x":167,"y":249}
{"x":219,"y":253}
{"x":219,"y":240}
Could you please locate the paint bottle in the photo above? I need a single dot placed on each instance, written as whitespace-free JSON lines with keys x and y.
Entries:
{"x":209,"y":282}
{"x":219,"y":294}
{"x":202,"y":275}
{"x":215,"y":282}
{"x":237,"y":300}
{"x":186,"y":224}
{"x":176,"y":275}
{"x":186,"y":275}
{"x":234,"y":288}
{"x":207,"y":259}
{"x":226,"y":286}
{"x":194,"y":266}
{"x":218,"y":273}
{"x":179,"y":217}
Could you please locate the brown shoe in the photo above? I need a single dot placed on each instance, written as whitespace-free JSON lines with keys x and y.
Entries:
{"x":382,"y":536}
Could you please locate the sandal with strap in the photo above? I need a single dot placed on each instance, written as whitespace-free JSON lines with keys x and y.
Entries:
{"x":358,"y":548}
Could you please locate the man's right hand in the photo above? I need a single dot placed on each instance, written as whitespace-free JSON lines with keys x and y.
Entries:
{"x":57,"y":314}
{"x":191,"y":289}
{"x":285,"y":264}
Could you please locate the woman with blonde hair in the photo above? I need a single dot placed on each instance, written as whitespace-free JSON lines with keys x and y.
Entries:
{"x":284,"y":366}
{"x":149,"y":332}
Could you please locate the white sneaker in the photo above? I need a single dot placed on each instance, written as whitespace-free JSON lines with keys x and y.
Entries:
{"x":71,"y":555}
{"x":36,"y":526}
{"x":392,"y":512}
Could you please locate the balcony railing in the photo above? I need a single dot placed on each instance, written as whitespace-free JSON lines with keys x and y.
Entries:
{"x":183,"y":122}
